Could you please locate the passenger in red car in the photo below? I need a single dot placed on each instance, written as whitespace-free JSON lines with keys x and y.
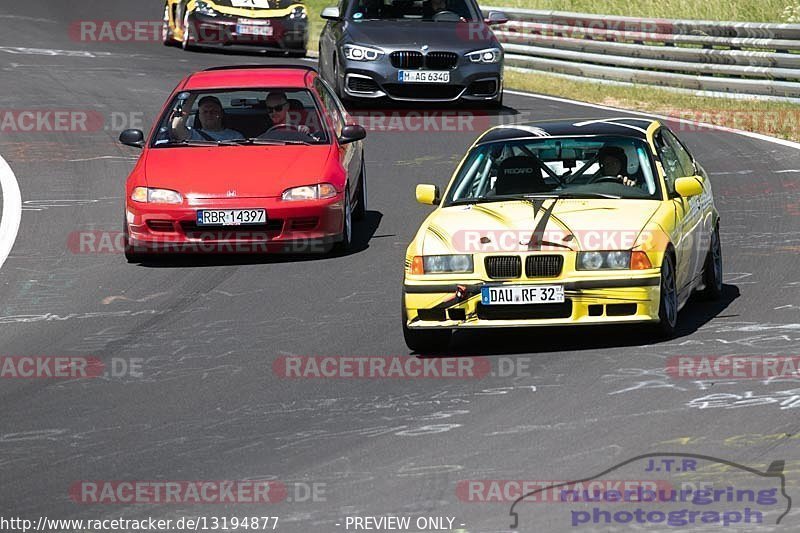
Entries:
{"x":208,"y":124}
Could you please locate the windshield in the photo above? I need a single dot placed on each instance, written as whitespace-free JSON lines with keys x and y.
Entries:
{"x":436,"y":10}
{"x":240,"y":117}
{"x":575,"y":167}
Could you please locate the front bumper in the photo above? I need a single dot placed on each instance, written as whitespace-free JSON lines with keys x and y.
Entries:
{"x":287,"y":34}
{"x":449,"y":305}
{"x":291,"y":227}
{"x":477,"y":82}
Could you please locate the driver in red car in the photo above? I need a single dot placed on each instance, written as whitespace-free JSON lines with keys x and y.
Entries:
{"x":278,"y":111}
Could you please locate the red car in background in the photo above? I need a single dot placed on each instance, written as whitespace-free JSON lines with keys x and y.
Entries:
{"x":248,"y":160}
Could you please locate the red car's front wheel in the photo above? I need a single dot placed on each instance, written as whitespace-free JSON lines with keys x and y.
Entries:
{"x":346,"y":242}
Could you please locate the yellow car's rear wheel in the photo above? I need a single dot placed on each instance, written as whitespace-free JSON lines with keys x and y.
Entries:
{"x":712,"y":271}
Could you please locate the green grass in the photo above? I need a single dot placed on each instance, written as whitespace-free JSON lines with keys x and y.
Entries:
{"x":746,"y":10}
{"x":316,"y":23}
{"x":771,"y":118}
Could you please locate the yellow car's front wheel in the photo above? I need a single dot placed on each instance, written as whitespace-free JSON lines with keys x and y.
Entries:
{"x":668,"y":303}
{"x":166,"y":27}
{"x":424,"y":341}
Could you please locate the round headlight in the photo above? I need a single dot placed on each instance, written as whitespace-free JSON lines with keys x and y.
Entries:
{"x":618,"y":260}
{"x":434,"y":263}
{"x":591,"y":260}
{"x":460,"y":263}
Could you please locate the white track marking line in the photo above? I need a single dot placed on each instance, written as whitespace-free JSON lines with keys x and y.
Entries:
{"x":752,"y":135}
{"x":12,"y":210}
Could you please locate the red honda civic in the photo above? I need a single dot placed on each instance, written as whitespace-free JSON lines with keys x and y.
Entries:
{"x":255,"y":159}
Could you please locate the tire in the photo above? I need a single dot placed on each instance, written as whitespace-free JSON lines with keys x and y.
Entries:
{"x":337,"y":86}
{"x":344,"y":245}
{"x":712,"y":271}
{"x":166,"y":30}
{"x":424,"y":341}
{"x":668,"y":300}
{"x":497,"y":103}
{"x":335,"y":78}
{"x":188,"y":38}
{"x":360,"y":211}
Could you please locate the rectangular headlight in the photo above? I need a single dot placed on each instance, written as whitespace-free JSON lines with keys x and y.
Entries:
{"x":616,"y":260}
{"x":447,"y":264}
{"x":309,"y":192}
{"x":156,"y":196}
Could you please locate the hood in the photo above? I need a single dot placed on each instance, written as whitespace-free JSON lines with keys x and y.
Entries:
{"x":255,"y":5}
{"x":413,"y":34}
{"x":548,"y":225}
{"x":251,"y":171}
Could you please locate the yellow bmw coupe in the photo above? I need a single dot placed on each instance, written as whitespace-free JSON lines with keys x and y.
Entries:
{"x":275,"y":25}
{"x":561,"y":223}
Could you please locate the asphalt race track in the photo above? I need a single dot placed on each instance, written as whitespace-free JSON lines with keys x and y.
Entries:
{"x":192,"y":394}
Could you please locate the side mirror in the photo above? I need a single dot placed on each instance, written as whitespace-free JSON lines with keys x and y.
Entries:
{"x":496,"y":17}
{"x":689,"y":186}
{"x":331,"y":13}
{"x":352,"y":133}
{"x":427,"y":194}
{"x":133,"y":138}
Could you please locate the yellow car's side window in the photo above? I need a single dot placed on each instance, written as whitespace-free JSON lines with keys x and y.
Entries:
{"x":669,"y":160}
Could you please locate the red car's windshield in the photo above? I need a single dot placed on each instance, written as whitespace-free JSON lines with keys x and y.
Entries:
{"x":240,"y":117}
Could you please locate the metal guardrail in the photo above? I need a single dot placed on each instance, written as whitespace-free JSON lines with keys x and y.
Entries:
{"x":736,"y":57}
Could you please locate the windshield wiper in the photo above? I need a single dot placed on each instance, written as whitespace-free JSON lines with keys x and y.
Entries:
{"x":487,"y":199}
{"x":589,"y":195}
{"x":190,"y":142}
{"x":266,"y":142}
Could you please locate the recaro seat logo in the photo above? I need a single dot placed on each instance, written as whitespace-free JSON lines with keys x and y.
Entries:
{"x":518,"y":171}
